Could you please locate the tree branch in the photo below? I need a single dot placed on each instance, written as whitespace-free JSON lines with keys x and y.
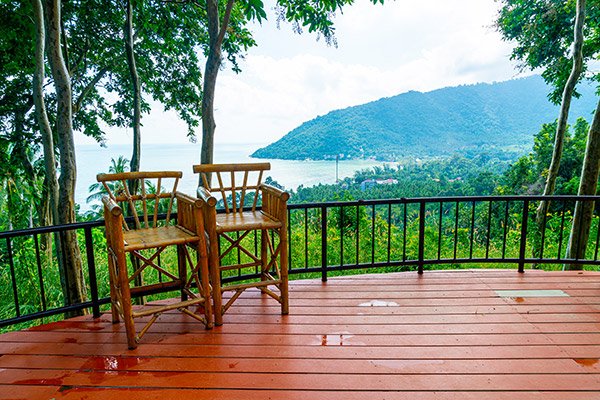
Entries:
{"x":88,"y":88}
{"x":225,"y":22}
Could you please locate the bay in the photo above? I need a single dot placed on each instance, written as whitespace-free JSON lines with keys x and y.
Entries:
{"x":93,"y":159}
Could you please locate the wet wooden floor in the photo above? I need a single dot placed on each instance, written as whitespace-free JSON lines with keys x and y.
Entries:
{"x":445,"y":335}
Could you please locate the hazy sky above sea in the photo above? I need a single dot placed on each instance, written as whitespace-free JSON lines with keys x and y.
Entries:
{"x":383,"y":50}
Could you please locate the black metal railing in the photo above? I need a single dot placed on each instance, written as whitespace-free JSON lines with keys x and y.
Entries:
{"x":324,"y":238}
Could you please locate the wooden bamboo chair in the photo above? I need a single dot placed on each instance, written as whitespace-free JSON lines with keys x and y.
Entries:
{"x":233,"y":227}
{"x":145,"y":238}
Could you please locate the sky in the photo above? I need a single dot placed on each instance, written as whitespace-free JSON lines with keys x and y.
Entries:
{"x":382,"y":51}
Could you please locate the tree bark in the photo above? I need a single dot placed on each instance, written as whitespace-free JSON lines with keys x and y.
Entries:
{"x":69,"y":255}
{"x":136,"y":91}
{"x":565,"y":105}
{"x":216,"y":33}
{"x":584,"y":210}
{"x":50,"y":181}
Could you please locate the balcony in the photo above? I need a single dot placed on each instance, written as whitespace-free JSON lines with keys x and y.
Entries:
{"x":443,"y":334}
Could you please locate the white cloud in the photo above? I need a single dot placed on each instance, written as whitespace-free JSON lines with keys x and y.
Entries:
{"x":383,"y":51}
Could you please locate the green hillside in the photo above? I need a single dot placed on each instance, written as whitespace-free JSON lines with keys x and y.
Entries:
{"x":499,"y":115}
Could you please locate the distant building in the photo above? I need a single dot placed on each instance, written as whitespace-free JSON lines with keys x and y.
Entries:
{"x":369,"y":183}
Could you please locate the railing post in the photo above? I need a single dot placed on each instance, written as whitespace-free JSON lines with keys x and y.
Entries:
{"x":421,"y":237}
{"x":324,"y":243}
{"x":91,"y":263}
{"x":523,"y":246}
{"x":13,"y":277}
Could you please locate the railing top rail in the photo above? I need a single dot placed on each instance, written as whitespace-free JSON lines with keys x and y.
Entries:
{"x":402,"y":200}
{"x":51,"y":229}
{"x":450,"y":199}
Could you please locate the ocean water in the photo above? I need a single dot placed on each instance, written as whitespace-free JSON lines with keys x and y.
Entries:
{"x":93,"y":159}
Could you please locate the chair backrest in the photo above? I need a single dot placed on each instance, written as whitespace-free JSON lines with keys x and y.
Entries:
{"x":149,"y":198}
{"x":235,"y":180}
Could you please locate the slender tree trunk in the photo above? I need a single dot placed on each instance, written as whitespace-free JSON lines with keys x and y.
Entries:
{"x":565,"y":105}
{"x":136,"y":90}
{"x":216,"y":33}
{"x":69,"y":254}
{"x":48,"y":208}
{"x":584,"y":210}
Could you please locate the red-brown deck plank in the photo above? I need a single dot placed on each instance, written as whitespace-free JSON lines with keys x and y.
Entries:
{"x":445,"y":335}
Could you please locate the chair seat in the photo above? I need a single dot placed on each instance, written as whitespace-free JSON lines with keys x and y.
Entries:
{"x":245,"y":221}
{"x":140,"y":239}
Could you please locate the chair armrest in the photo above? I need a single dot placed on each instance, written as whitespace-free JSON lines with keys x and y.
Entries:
{"x":274,"y":202}
{"x":206,"y":196}
{"x":113,"y":224}
{"x":111,"y":206}
{"x":188,"y":212}
{"x":187,"y":199}
{"x":273,"y":191}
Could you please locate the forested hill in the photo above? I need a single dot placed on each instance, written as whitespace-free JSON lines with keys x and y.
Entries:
{"x":439,"y":122}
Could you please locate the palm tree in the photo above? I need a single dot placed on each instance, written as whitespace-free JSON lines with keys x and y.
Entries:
{"x":97,"y":190}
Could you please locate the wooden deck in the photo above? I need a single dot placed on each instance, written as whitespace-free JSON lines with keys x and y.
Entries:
{"x":445,"y":335}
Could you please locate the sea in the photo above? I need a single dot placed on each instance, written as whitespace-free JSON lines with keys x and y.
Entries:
{"x":93,"y":159}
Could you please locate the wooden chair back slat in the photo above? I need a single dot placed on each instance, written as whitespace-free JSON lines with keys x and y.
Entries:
{"x":238,"y":192}
{"x":171,"y":200}
{"x":144,"y":215}
{"x":244,"y":189}
{"x":222,"y":189}
{"x":259,"y":180}
{"x":131,"y":204}
{"x":144,"y":205}
{"x":233,"y":192}
{"x":156,"y":201}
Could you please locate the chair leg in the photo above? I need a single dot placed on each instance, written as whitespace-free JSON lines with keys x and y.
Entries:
{"x":215,"y":279}
{"x":205,"y":289}
{"x":113,"y":291}
{"x":264,"y":254}
{"x":123,"y":280}
{"x":283,"y":265}
{"x":182,"y":267}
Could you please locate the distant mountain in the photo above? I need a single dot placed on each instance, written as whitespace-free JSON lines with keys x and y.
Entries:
{"x":498,"y":115}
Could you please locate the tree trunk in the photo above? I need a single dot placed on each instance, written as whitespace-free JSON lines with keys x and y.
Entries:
{"x":136,"y":90}
{"x":216,"y":33}
{"x":69,"y":254}
{"x":48,"y":207}
{"x":565,"y":105}
{"x":584,"y":210}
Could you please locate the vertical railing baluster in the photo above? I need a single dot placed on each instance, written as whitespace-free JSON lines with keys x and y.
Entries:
{"x":39,"y":271}
{"x":560,"y":234}
{"x":579,"y":235}
{"x":421,"y":237}
{"x":472,"y":239}
{"x":543,"y":239}
{"x":439,"y":252}
{"x":91,"y":263}
{"x":357,"y":233}
{"x":341,"y":236}
{"x":373,"y":234}
{"x":523,"y":245}
{"x":404,"y":236}
{"x":505,"y":230}
{"x":389,"y":232}
{"x":239,"y":253}
{"x":456,"y":214}
{"x":255,"y":234}
{"x":305,"y":238}
{"x":289,"y":241}
{"x":13,"y":277}
{"x":489,"y":230}
{"x":597,"y":237}
{"x":324,"y":243}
